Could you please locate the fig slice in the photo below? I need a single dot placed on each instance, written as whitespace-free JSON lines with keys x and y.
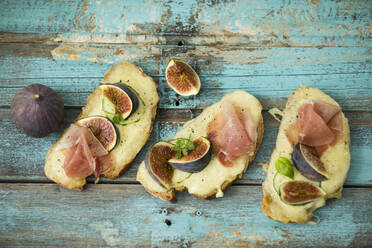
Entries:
{"x":308,"y":163}
{"x":103,"y":129}
{"x":299,"y":192}
{"x":196,"y":160}
{"x":182,"y":78}
{"x":156,"y":162}
{"x":122,"y":97}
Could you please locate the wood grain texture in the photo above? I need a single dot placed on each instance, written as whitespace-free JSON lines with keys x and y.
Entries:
{"x":247,"y":23}
{"x":21,"y":161}
{"x":48,"y":215}
{"x":268,"y":48}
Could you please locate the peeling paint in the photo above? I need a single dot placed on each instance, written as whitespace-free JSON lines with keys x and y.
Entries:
{"x":109,"y":55}
{"x":108,"y":232}
{"x":296,"y":23}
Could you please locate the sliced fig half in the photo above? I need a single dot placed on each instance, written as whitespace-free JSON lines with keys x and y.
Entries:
{"x":308,"y":163}
{"x":197,"y":159}
{"x":104,"y":130}
{"x":156,"y":162}
{"x":299,"y":192}
{"x":182,"y":78}
{"x":122,"y":97}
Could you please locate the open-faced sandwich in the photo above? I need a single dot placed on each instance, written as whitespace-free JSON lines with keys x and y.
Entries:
{"x":109,"y":132}
{"x":311,"y":157}
{"x":208,"y":153}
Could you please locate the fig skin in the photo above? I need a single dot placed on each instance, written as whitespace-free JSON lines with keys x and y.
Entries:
{"x":130,"y":99}
{"x":156,"y":162}
{"x":308,"y":164}
{"x":197,"y":159}
{"x":299,"y":192}
{"x":37,"y":110}
{"x":104,"y":130}
{"x":182,"y":78}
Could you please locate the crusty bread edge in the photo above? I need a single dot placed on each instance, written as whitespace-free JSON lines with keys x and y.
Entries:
{"x":170,"y":195}
{"x":124,"y":167}
{"x":267,"y":200}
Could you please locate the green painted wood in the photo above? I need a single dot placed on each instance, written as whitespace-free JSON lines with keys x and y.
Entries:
{"x":23,"y":157}
{"x":126,"y":216}
{"x":253,"y":23}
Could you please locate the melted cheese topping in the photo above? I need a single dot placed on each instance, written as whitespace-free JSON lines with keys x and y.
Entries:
{"x":131,"y":137}
{"x":336,"y":160}
{"x":215,"y":174}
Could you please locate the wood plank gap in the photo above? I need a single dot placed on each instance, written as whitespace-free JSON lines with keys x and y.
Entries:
{"x":217,"y":44}
{"x":91,"y":181}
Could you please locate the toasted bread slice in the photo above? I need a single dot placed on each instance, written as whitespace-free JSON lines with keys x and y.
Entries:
{"x":213,"y":179}
{"x":336,"y":160}
{"x":132,"y":137}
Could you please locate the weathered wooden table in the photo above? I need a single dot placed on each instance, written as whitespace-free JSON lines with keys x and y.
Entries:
{"x":265,"y":47}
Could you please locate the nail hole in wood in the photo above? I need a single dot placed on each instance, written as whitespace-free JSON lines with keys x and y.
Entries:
{"x":177,"y":103}
{"x":168,"y":222}
{"x":180,"y":43}
{"x":164,"y":211}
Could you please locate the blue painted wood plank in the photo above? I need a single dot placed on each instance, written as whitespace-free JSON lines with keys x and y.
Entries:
{"x":48,"y":215}
{"x":43,"y":60}
{"x":352,"y":91}
{"x":268,"y":23}
{"x":23,"y":157}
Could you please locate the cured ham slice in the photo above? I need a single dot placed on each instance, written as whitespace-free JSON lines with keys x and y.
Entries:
{"x":249,"y":125}
{"x":84,"y":154}
{"x":231,"y":134}
{"x":325,"y":110}
{"x":336,"y":122}
{"x":319,"y":125}
{"x":313,"y":129}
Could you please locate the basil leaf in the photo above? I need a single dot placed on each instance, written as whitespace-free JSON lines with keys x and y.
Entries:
{"x":284,"y":167}
{"x":190,"y":146}
{"x":184,"y":151}
{"x":178,"y":154}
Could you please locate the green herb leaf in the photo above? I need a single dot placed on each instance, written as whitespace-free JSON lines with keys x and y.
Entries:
{"x":178,"y":155}
{"x":190,"y":146}
{"x":185,"y":151}
{"x":284,"y":167}
{"x":182,"y":146}
{"x":117,"y":118}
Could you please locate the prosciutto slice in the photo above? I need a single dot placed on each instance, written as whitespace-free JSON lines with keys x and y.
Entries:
{"x":313,"y":129}
{"x":319,"y":125}
{"x":325,"y":110}
{"x":232,"y":134}
{"x":84,"y":154}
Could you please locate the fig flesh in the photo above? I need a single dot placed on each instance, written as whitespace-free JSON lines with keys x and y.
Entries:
{"x":182,"y":78}
{"x":308,"y":163}
{"x":37,"y":110}
{"x":299,"y":192}
{"x":122,"y":97}
{"x":103,"y":129}
{"x":156,"y":162}
{"x":196,"y":160}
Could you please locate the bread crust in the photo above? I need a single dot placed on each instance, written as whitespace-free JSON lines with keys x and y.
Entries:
{"x":110,"y":77}
{"x":271,"y":204}
{"x":170,"y":195}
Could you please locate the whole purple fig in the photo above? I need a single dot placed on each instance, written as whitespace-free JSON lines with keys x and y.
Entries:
{"x":37,"y":110}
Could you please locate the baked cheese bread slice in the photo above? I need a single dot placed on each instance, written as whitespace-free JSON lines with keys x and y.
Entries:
{"x":319,"y":156}
{"x":215,"y":177}
{"x":132,"y":135}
